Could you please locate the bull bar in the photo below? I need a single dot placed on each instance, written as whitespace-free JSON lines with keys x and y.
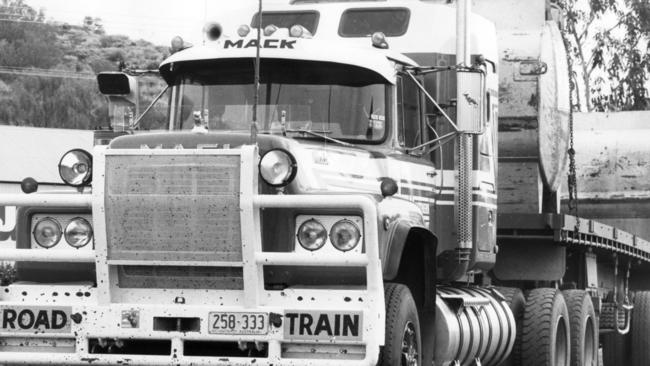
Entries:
{"x":94,"y":302}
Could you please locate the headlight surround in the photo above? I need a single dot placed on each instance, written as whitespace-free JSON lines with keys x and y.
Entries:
{"x":278,"y":167}
{"x":312,"y":235}
{"x":345,"y":235}
{"x":78,"y":233}
{"x":75,"y":167}
{"x":47,"y":232}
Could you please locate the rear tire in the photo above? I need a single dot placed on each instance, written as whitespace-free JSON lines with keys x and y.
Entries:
{"x":584,"y":328}
{"x":615,"y":349}
{"x":517,"y":303}
{"x":402,"y":345}
{"x":545,"y":329}
{"x":640,"y":350}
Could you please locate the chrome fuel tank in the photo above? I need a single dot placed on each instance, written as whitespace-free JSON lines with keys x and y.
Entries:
{"x":472,"y":323}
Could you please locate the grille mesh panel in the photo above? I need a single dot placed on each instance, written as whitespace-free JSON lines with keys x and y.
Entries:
{"x":173,"y":207}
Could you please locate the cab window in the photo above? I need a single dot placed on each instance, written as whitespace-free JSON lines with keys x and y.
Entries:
{"x":393,"y":22}
{"x":287,"y":19}
{"x":408,"y":112}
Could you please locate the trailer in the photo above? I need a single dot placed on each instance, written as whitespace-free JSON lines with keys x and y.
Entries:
{"x":350,"y":182}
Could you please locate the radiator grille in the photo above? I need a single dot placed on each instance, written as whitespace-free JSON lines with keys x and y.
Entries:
{"x":173,"y":207}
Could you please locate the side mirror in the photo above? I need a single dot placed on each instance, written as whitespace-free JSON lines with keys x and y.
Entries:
{"x":117,"y":84}
{"x":123,"y":98}
{"x":470,"y":105}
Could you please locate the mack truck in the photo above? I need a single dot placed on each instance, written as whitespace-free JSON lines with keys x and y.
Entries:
{"x":339,"y":182}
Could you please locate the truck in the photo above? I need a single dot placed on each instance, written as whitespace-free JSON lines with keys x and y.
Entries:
{"x":326,"y":193}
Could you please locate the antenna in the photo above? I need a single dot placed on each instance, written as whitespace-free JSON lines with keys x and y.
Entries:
{"x":205,"y":16}
{"x":257,"y":75}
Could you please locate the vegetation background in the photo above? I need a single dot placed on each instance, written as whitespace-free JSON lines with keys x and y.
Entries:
{"x":47,"y":70}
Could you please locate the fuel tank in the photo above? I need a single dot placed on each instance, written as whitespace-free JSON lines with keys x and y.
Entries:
{"x":472,"y":324}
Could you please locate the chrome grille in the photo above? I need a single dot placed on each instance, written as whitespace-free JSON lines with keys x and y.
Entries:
{"x":173,"y":207}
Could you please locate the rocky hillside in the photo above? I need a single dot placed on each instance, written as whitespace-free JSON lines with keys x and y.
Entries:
{"x":47,"y":70}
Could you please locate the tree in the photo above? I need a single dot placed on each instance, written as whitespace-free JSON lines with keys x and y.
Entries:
{"x":32,"y":45}
{"x":608,"y":43}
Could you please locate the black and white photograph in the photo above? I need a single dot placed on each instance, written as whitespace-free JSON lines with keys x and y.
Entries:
{"x":325,"y":182}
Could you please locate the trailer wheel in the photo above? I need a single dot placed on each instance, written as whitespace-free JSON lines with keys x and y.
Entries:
{"x":545,"y":329}
{"x":517,"y":303}
{"x":584,"y":328}
{"x":402,"y":346}
{"x":640,"y":352}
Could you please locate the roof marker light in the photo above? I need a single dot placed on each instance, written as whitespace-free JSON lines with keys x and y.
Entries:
{"x":177,"y":44}
{"x":243,"y":30}
{"x":213,"y":31}
{"x":270,"y":29}
{"x":298,"y":31}
{"x":379,"y":40}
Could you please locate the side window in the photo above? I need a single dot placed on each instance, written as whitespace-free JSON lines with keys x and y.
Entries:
{"x":408,"y":112}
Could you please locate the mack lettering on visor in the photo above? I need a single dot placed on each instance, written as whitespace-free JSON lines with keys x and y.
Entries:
{"x":267,"y":43}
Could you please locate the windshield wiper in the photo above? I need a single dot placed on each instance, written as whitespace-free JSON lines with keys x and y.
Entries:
{"x":322,"y":136}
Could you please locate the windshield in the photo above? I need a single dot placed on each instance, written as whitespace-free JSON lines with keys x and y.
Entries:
{"x":327,"y":100}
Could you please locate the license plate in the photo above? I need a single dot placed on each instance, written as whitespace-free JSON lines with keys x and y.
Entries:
{"x":23,"y":319}
{"x":239,"y":323}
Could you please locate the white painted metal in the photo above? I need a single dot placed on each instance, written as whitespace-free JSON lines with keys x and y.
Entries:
{"x":45,"y":255}
{"x":46,"y":200}
{"x":301,"y":49}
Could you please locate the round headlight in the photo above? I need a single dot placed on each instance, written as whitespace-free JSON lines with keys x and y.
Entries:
{"x":312,"y":235}
{"x":47,"y":232}
{"x":278,"y":168}
{"x":345,"y":235}
{"x":75,"y":167}
{"x":78,"y":233}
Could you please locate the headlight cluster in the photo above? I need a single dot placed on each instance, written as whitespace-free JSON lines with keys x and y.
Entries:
{"x":48,"y":231}
{"x":343,"y":234}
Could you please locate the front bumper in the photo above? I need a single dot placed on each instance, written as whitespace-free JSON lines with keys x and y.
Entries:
{"x":90,"y":324}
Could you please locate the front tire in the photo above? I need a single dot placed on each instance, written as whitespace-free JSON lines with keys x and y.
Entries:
{"x":584,"y":328}
{"x":402,"y":345}
{"x":545,"y":329}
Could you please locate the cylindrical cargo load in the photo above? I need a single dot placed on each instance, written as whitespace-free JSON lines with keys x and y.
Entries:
{"x":471,"y":324}
{"x":613,"y":169}
{"x":534,"y":125}
{"x":533,"y":103}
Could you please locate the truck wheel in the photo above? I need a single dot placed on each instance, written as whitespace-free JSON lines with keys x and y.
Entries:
{"x":517,"y":303}
{"x":640,"y":352}
{"x":545,"y":329}
{"x":584,"y":328}
{"x":615,"y":349}
{"x":402,"y":346}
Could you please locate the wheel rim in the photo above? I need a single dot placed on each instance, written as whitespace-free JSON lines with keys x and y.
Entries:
{"x":410,"y":349}
{"x":589,"y":350}
{"x":561,"y":338}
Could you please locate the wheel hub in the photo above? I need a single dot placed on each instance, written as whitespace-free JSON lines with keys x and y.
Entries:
{"x":410,"y":349}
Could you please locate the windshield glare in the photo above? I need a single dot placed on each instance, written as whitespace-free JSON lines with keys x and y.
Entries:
{"x":354,"y":113}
